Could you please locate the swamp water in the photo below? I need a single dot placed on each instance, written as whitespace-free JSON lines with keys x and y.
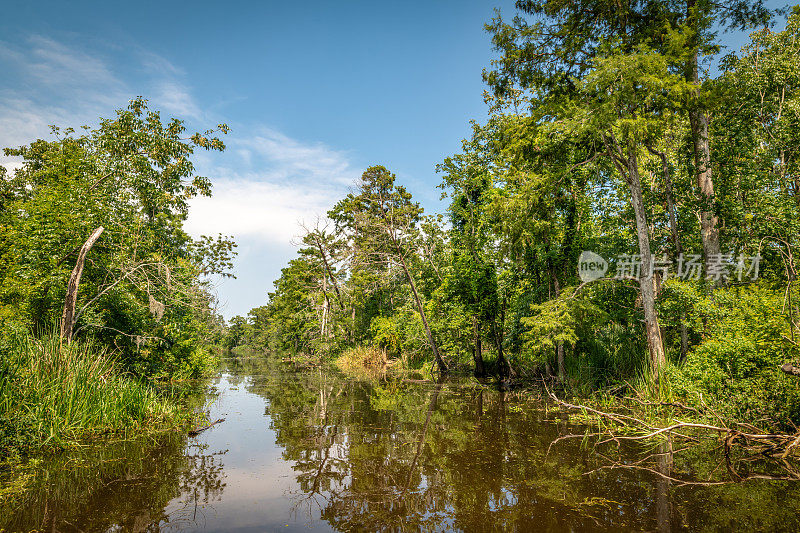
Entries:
{"x":312,"y":451}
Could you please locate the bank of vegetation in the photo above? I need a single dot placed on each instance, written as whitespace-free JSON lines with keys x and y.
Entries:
{"x":104,"y":298}
{"x":618,"y":129}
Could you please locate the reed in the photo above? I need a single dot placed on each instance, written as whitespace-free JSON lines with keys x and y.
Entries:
{"x":53,"y":393}
{"x":369,"y":361}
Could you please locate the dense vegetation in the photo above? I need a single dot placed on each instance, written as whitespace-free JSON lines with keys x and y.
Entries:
{"x":616,"y":129}
{"x":143,"y":313}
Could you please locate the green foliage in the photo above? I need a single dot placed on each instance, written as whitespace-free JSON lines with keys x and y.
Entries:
{"x":560,"y":320}
{"x":595,"y":141}
{"x":758,"y":154}
{"x":239,"y":332}
{"x":553,"y":322}
{"x":385,"y":335}
{"x":53,"y":393}
{"x":144,"y":310}
{"x":736,"y":367}
{"x":142,"y":289}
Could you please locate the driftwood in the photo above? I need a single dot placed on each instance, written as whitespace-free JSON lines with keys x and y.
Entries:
{"x":663,"y":404}
{"x":196,"y":432}
{"x":775,"y":448}
{"x":68,"y":315}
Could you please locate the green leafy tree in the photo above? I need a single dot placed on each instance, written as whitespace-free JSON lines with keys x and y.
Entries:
{"x":382,"y":220}
{"x":553,"y":43}
{"x":143,"y":289}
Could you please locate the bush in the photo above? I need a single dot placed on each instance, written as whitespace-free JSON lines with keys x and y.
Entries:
{"x":385,"y":335}
{"x":737,"y":365}
{"x":361,"y":360}
{"x":402,"y":336}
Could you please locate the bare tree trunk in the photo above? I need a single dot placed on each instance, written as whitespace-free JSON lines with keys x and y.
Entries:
{"x":560,"y":345}
{"x":325,"y":306}
{"x":676,"y":240}
{"x":353,"y":324}
{"x":435,"y":347}
{"x":67,"y":316}
{"x":699,"y":121}
{"x":628,"y":165}
{"x":504,"y":367}
{"x":477,"y":354}
{"x":709,"y":221}
{"x":325,"y":262}
{"x":655,"y":344}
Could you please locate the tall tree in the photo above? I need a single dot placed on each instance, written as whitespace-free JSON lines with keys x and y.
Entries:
{"x":143,"y":286}
{"x":620,"y":104}
{"x":382,"y":220}
{"x":472,"y":279}
{"x":557,"y":41}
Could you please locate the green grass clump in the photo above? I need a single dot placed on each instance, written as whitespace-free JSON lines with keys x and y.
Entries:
{"x":364,"y":360}
{"x":53,"y":393}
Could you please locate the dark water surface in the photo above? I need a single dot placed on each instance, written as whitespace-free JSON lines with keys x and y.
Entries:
{"x":311,"y":451}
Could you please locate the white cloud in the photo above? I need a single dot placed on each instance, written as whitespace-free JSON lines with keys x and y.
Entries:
{"x":276,"y":184}
{"x":48,"y":81}
{"x":313,"y":162}
{"x":268,"y":211}
{"x":174,"y":97}
{"x":157,"y":64}
{"x":265,"y":183}
{"x":68,"y":69}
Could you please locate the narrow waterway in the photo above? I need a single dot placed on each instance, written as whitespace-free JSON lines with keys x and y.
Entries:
{"x":313,"y":451}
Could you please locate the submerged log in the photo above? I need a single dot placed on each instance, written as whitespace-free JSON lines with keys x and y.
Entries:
{"x":196,"y":432}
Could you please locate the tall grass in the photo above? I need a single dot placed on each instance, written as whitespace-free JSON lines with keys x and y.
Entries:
{"x":52,"y":393}
{"x":364,"y":361}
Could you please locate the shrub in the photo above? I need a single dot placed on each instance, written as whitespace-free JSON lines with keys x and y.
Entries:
{"x":369,"y":360}
{"x":737,"y":364}
{"x":402,"y":336}
{"x":385,"y":335}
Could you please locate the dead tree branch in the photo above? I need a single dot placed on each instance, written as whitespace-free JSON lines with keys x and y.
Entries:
{"x":68,"y":315}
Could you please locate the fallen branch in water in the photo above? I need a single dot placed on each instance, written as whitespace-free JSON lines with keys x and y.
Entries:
{"x":769,"y":443}
{"x":664,"y":404}
{"x":773,"y":451}
{"x":679,"y":482}
{"x":197,"y":431}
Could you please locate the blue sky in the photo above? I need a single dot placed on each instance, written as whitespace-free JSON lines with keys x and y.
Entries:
{"x":314,"y":93}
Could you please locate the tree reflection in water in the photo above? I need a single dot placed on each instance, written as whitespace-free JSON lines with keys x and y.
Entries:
{"x":394,"y":456}
{"x":124,"y":486}
{"x":391,"y":456}
{"x":200,"y":486}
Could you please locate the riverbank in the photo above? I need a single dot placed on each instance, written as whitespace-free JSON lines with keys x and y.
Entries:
{"x":651,"y":409}
{"x":56,"y":396}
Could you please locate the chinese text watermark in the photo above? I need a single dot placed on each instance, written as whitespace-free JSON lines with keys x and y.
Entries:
{"x":592,"y":266}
